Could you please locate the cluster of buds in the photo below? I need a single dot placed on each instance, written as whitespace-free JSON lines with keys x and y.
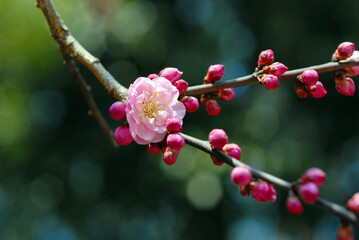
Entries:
{"x":241,"y":175}
{"x":171,"y":144}
{"x":308,"y":190}
{"x":218,"y":139}
{"x":343,"y":83}
{"x":267,"y":71}
{"x":174,"y":75}
{"x":307,"y":83}
{"x":215,"y":73}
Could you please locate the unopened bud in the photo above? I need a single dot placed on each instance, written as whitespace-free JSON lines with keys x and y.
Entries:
{"x":265,"y":58}
{"x":260,"y":191}
{"x":346,"y":50}
{"x":269,"y":81}
{"x":226,"y":94}
{"x":294,"y":205}
{"x":345,"y":86}
{"x":213,"y":108}
{"x":309,"y":77}
{"x":182,"y":86}
{"x":214,"y":73}
{"x":122,"y":135}
{"x":172,"y":74}
{"x":276,"y":69}
{"x":118,"y":110}
{"x":218,"y":138}
{"x":191,"y":103}
{"x":353,"y":203}
{"x":152,"y":76}
{"x":314,"y":175}
{"x":232,"y":150}
{"x":175,"y":141}
{"x":300,"y":90}
{"x":344,"y":232}
{"x":170,"y":156}
{"x":241,"y":175}
{"x":173,"y":125}
{"x":154,"y":148}
{"x":317,"y":90}
{"x":309,"y":192}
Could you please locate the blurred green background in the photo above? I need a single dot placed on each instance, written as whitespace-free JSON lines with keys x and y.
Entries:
{"x":61,"y":180}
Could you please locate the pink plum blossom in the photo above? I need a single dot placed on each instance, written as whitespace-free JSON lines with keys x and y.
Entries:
{"x":149,"y":104}
{"x":269,"y":81}
{"x":232,"y":150}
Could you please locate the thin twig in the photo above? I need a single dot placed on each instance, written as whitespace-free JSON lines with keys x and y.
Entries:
{"x":333,"y":208}
{"x":70,"y":45}
{"x":251,"y":79}
{"x":94,"y":110}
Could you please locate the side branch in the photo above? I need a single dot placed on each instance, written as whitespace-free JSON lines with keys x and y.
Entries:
{"x":94,"y":110}
{"x":251,"y":79}
{"x":70,"y":45}
{"x":333,"y":208}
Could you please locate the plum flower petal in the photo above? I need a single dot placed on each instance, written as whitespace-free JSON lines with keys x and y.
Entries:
{"x":149,"y":104}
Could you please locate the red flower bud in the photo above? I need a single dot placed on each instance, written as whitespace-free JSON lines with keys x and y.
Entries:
{"x":175,"y":141}
{"x":276,"y":69}
{"x":212,"y":107}
{"x":191,"y":103}
{"x":122,"y":135}
{"x":265,"y":58}
{"x":241,"y":175}
{"x":118,"y":110}
{"x":309,"y":192}
{"x":218,"y":138}
{"x":214,"y":73}
{"x":346,"y":50}
{"x":269,"y":81}
{"x":314,"y":175}
{"x":226,"y":94}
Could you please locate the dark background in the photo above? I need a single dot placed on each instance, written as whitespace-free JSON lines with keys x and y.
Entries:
{"x":61,"y":180}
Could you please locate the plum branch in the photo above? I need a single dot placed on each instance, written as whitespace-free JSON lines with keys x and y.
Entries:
{"x":333,"y":208}
{"x":252,"y":79}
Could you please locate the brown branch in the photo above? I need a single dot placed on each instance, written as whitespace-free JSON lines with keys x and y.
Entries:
{"x":70,"y":45}
{"x":331,"y":207}
{"x":94,"y":110}
{"x":251,"y":79}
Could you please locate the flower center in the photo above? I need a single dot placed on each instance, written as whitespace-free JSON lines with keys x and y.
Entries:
{"x":152,"y":105}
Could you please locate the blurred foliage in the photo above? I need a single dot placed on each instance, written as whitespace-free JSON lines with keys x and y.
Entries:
{"x":61,"y":180}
